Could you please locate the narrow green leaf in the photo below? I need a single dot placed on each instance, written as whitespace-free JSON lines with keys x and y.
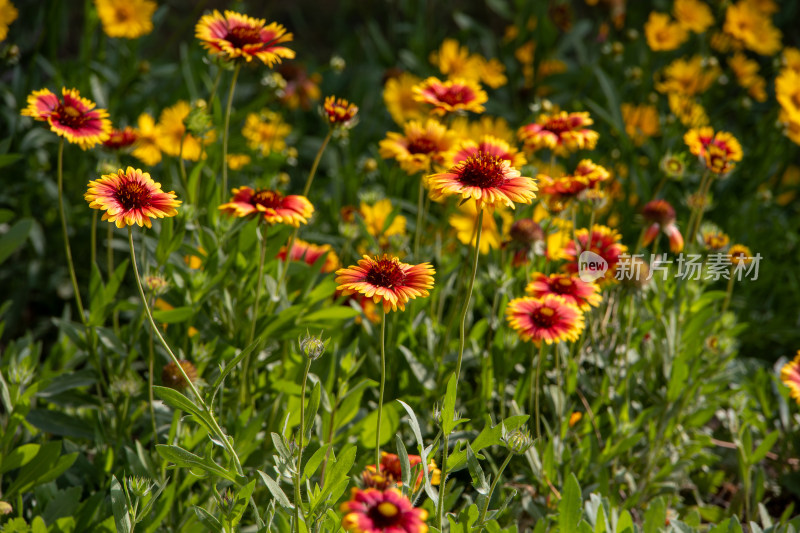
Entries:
{"x":174,"y":316}
{"x":208,"y":520}
{"x":14,"y":237}
{"x":276,"y":491}
{"x":449,"y":405}
{"x":187,"y":459}
{"x":119,"y":505}
{"x":625,"y":523}
{"x":311,"y":410}
{"x":314,"y":461}
{"x":569,"y":508}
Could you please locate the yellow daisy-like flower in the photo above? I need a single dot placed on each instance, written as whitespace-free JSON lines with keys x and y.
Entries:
{"x":147,"y":135}
{"x":8,"y":14}
{"x":375,"y":217}
{"x":266,"y":132}
{"x":491,"y":181}
{"x":455,"y":61}
{"x":693,"y":15}
{"x":386,"y":279}
{"x":398,"y":96}
{"x":641,"y":122}
{"x":173,"y":139}
{"x":490,"y":145}
{"x":238,"y":161}
{"x":131,"y":197}
{"x":719,"y":151}
{"x":687,"y":77}
{"x":739,"y":254}
{"x":339,"y":112}
{"x":272,"y":206}
{"x":790,"y":376}
{"x":690,"y":113}
{"x":753,"y":27}
{"x":419,"y":147}
{"x":791,"y":58}
{"x":663,"y":34}
{"x":451,"y":95}
{"x":71,"y":116}
{"x":128,"y":19}
{"x":550,"y":319}
{"x":475,"y":129}
{"x":491,"y":236}
{"x":236,"y":36}
{"x":787,"y":92}
{"x":746,"y":72}
{"x":561,"y":132}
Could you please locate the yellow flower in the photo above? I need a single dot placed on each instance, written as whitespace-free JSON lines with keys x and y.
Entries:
{"x":451,"y":95}
{"x":789,"y":184}
{"x":689,"y":112}
{"x":791,"y":126}
{"x":491,"y":235}
{"x":687,"y":77}
{"x":376,"y":216}
{"x":753,"y":28}
{"x":493,"y":73}
{"x":787,"y":92}
{"x":663,"y":34}
{"x":768,"y":7}
{"x":147,"y":135}
{"x":173,"y":139}
{"x":266,"y":131}
{"x":455,"y":61}
{"x":8,"y":14}
{"x":746,"y":71}
{"x":486,"y":125}
{"x":129,"y":19}
{"x":641,"y":122}
{"x":791,"y":58}
{"x":398,"y":95}
{"x":238,"y":161}
{"x":693,"y":15}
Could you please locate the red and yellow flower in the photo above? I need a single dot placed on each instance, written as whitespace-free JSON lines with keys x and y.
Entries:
{"x":790,"y":376}
{"x":661,"y":215}
{"x":386,"y":279}
{"x":419,"y":147}
{"x":490,"y":145}
{"x":311,"y":253}
{"x":491,"y":181}
{"x":274,"y":207}
{"x":451,"y":95}
{"x":571,"y":288}
{"x":373,"y":511}
{"x":550,"y":319}
{"x":604,"y":242}
{"x":236,"y":36}
{"x":121,"y":139}
{"x":712,"y":238}
{"x":391,"y":475}
{"x":131,"y":197}
{"x":718,"y":151}
{"x":561,"y":132}
{"x":739,"y":254}
{"x":339,"y":112}
{"x":75,"y":118}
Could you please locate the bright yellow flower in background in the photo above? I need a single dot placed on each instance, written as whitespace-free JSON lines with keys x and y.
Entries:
{"x":746,"y":71}
{"x":663,"y":33}
{"x":791,"y":58}
{"x":173,"y":139}
{"x":455,"y":61}
{"x":377,"y":215}
{"x":690,"y":113}
{"x":128,"y":19}
{"x":790,"y":376}
{"x":641,"y":122}
{"x":451,"y":95}
{"x":147,"y":134}
{"x":266,"y":131}
{"x":687,"y":76}
{"x":693,"y":15}
{"x":787,"y":92}
{"x":491,"y":236}
{"x":486,"y":125}
{"x":238,"y":161}
{"x":753,"y":27}
{"x":8,"y":14}
{"x":398,"y":96}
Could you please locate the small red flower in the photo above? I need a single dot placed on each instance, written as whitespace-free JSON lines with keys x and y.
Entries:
{"x":72,"y":117}
{"x":373,"y":511}
{"x":571,"y":288}
{"x":339,"y":112}
{"x":661,"y":215}
{"x":604,"y":242}
{"x":121,"y":139}
{"x":272,"y":205}
{"x":550,"y":319}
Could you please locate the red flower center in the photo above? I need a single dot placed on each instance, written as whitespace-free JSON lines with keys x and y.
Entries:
{"x":269,"y":199}
{"x":659,"y":211}
{"x":133,"y":195}
{"x":71,"y":117}
{"x":481,"y":170}
{"x":453,"y":95}
{"x":241,"y":36}
{"x":386,"y":273}
{"x":421,"y":145}
{"x":544,"y":317}
{"x":384,"y":515}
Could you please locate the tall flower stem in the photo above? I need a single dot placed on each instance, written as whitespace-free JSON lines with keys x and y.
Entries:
{"x":380,"y":394}
{"x":728,"y":291}
{"x":693,"y":216}
{"x":302,"y":433}
{"x":443,"y":482}
{"x":418,"y":229}
{"x":491,"y":490}
{"x":93,"y":241}
{"x":110,"y":268}
{"x":628,"y":333}
{"x":702,"y":209}
{"x":245,"y":389}
{"x":462,"y":327}
{"x":293,"y":236}
{"x":228,"y":107}
{"x":534,"y":387}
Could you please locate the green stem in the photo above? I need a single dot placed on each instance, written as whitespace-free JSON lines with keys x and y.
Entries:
{"x":228,"y":107}
{"x":418,"y":229}
{"x":110,"y":267}
{"x":702,"y":210}
{"x":380,"y":395}
{"x":151,"y":358}
{"x":693,"y":216}
{"x":245,"y":389}
{"x":65,"y":233}
{"x":534,"y":392}
{"x":93,"y":240}
{"x":628,"y":333}
{"x":728,"y":292}
{"x":317,"y":159}
{"x":297,"y":502}
{"x":491,"y":491}
{"x":462,"y":327}
{"x":442,"y":482}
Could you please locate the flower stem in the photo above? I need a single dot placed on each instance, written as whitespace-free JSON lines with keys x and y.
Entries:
{"x":443,"y":482}
{"x":93,"y":240}
{"x":245,"y":389}
{"x":297,"y":500}
{"x":476,"y":253}
{"x":317,"y":159}
{"x":534,"y":387}
{"x":418,"y":229}
{"x":225,"y":129}
{"x":728,"y":291}
{"x":491,"y":490}
{"x":65,"y":233}
{"x":380,"y":394}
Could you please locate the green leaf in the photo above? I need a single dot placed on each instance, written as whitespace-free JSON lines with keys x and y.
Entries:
{"x":229,"y":366}
{"x":9,"y":159}
{"x":314,"y":461}
{"x":569,"y":508}
{"x":119,"y":504}
{"x":677,"y":379}
{"x":173,"y":316}
{"x":187,"y":459}
{"x":14,"y":238}
{"x":208,"y":520}
{"x":476,"y":472}
{"x":405,"y":463}
{"x":339,"y":469}
{"x":311,"y":410}
{"x":18,"y":457}
{"x":449,"y":405}
{"x":176,"y":400}
{"x":242,"y":499}
{"x":337,"y":314}
{"x":625,"y":523}
{"x":46,"y":466}
{"x":655,"y":517}
{"x":276,"y":491}
{"x":489,"y":436}
{"x":389,"y":425}
{"x":764,"y":448}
